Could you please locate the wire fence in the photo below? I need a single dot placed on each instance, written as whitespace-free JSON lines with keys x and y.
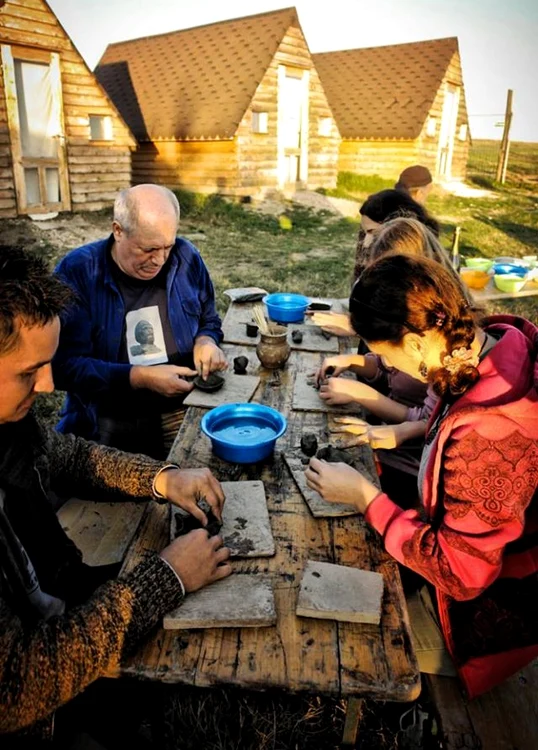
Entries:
{"x":486,"y":132}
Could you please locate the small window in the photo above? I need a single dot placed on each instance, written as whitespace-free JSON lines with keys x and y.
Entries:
{"x":431,"y":126}
{"x":462,"y":133}
{"x":259,"y":122}
{"x":325,"y":125}
{"x":101,"y":128}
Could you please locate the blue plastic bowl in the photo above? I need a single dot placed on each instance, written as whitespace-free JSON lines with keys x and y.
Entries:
{"x":243,"y":433}
{"x":500,"y":269}
{"x":286,"y":308}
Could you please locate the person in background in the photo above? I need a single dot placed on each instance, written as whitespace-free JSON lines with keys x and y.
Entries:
{"x":474,"y":537}
{"x":145,"y":281}
{"x":64,"y":624}
{"x":417,"y":182}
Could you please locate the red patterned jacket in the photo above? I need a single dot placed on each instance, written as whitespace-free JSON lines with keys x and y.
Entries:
{"x":476,"y":539}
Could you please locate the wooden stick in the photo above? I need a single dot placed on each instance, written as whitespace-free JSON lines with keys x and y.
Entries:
{"x":259,"y":317}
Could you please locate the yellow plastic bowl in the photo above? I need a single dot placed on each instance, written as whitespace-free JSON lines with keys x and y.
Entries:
{"x":473,"y":278}
{"x":509,"y":282}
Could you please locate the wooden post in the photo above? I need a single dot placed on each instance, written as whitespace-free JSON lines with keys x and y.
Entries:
{"x":351,"y":725}
{"x":502,"y":164}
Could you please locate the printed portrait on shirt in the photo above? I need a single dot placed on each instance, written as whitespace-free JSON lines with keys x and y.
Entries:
{"x":145,"y":338}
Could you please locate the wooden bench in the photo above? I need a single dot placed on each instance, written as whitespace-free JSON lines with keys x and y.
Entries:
{"x":505,"y":718}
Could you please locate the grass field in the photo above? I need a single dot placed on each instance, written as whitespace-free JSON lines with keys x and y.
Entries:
{"x":522,"y":170}
{"x":315,"y":257}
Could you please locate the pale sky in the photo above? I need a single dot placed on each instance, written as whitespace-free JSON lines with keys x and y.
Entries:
{"x":498,"y":38}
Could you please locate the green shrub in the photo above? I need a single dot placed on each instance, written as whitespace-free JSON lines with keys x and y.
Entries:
{"x":362,"y":183}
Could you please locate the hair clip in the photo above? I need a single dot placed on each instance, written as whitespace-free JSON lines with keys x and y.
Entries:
{"x":459,"y":357}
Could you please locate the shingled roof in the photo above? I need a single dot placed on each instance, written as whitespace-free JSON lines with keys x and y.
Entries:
{"x":384,"y":92}
{"x":195,"y":83}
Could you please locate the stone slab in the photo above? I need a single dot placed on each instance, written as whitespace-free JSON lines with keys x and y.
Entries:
{"x":240,"y":601}
{"x":338,"y":592}
{"x":246,"y":529}
{"x":236,"y":389}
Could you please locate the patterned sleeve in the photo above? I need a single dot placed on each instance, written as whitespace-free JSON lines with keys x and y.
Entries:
{"x":487,"y":486}
{"x":44,"y":665}
{"x":85,"y":469}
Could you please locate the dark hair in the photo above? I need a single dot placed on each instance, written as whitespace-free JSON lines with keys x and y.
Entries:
{"x":28,"y":294}
{"x":386,"y":206}
{"x":398,"y":294}
{"x":392,"y":204}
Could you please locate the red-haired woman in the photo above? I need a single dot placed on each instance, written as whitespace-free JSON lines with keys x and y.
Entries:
{"x":475,"y":537}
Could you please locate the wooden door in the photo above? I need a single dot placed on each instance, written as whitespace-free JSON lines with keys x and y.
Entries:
{"x":292,"y":126}
{"x":447,"y":134}
{"x":36,"y":127}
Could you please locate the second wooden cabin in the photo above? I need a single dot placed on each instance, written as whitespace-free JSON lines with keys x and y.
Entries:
{"x":235,"y":107}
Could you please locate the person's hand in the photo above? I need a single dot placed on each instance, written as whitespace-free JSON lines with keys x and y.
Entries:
{"x":341,"y":391}
{"x":208,"y":357}
{"x":339,"y":364}
{"x":198,"y":559}
{"x":167,"y":380}
{"x":340,"y":483}
{"x":185,"y":487}
{"x":338,"y":324}
{"x":361,"y":433}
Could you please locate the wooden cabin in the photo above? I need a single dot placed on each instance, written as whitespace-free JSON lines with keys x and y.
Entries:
{"x":235,"y":107}
{"x":63,"y":145}
{"x":399,"y":105}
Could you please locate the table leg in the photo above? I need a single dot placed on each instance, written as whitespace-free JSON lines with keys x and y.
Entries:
{"x":351,"y":726}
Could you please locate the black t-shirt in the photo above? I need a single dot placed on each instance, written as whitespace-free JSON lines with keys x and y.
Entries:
{"x":147,"y":339}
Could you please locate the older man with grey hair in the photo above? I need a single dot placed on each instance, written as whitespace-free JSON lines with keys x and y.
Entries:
{"x":118,"y":392}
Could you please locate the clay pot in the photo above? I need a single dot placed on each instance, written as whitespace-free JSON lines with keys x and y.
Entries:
{"x":252,"y":330}
{"x":297,"y":336}
{"x":273,"y":349}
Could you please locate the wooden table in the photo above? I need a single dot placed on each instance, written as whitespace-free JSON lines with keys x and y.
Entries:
{"x":298,"y":654}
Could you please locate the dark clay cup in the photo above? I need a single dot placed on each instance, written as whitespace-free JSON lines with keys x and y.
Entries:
{"x":309,"y":444}
{"x":213,"y":383}
{"x":240,"y":365}
{"x":297,"y":336}
{"x":252,"y":330}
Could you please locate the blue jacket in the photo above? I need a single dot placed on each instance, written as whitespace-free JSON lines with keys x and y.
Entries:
{"x":86,"y":364}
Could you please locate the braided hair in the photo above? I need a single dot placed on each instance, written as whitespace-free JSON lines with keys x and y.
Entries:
{"x":401,"y":293}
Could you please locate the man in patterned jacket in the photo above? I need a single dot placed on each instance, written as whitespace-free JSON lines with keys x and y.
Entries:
{"x":58,"y":631}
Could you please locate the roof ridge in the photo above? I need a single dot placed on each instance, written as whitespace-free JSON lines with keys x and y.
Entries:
{"x":202,"y":26}
{"x":387,"y":46}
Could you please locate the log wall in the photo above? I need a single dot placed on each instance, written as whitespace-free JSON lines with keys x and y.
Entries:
{"x":383,"y":158}
{"x":428,"y":146}
{"x":257,"y":152}
{"x":97,"y":169}
{"x":200,"y":166}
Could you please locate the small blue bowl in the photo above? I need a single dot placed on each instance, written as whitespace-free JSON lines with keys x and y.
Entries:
{"x":243,"y":433}
{"x":286,"y":308}
{"x":499,"y":269}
